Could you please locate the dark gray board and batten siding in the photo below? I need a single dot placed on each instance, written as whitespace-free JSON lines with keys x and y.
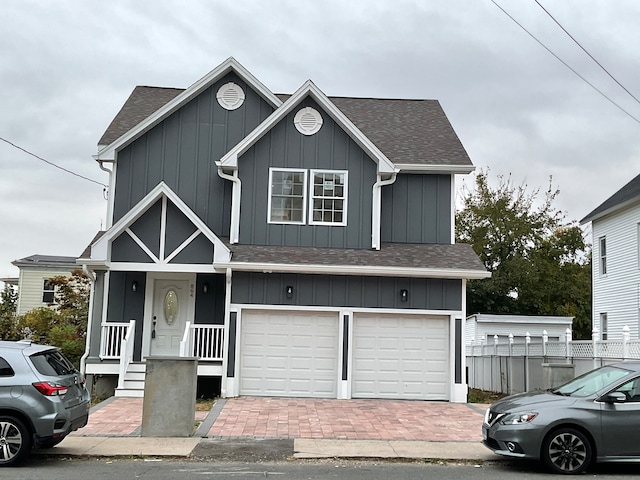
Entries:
{"x":329,"y":149}
{"x":346,"y":291}
{"x":181,"y":151}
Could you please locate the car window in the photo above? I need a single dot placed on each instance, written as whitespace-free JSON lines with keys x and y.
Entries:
{"x":592,"y":382}
{"x":5,"y":368}
{"x":631,"y":390}
{"x":52,"y":363}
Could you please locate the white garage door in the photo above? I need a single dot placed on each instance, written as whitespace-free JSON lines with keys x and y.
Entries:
{"x":289,"y":354}
{"x":400,"y":357}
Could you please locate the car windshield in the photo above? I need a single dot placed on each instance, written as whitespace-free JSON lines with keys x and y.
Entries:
{"x":591,"y":382}
{"x":52,"y":363}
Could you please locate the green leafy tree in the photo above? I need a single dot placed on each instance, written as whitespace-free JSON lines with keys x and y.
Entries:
{"x":8,"y":308}
{"x":64,"y":324}
{"x":540,"y":264}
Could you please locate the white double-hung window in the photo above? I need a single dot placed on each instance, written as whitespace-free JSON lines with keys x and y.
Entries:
{"x":287,"y":195}
{"x":323,"y":201}
{"x":328,"y":197}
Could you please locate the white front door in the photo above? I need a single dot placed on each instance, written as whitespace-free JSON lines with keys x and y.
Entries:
{"x":171,"y":309}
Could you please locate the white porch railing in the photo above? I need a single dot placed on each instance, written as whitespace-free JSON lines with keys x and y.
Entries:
{"x":113,"y":334}
{"x":126,"y":354}
{"x":205,"y":342}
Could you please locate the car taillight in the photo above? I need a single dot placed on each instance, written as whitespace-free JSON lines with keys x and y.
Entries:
{"x":50,"y":389}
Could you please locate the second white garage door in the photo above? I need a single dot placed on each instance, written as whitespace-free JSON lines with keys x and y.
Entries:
{"x":289,"y":354}
{"x":403,"y":357}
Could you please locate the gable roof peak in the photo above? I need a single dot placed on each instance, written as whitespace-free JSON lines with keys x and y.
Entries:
{"x":107,"y":153}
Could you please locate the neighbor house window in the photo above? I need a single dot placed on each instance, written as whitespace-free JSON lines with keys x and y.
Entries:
{"x":287,"y":200}
{"x":48,"y":291}
{"x":604,"y":327}
{"x":328,"y":197}
{"x":603,"y":255}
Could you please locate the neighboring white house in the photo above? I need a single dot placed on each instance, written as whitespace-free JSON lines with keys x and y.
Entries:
{"x":481,"y":328}
{"x":34,"y":288}
{"x":615,"y":226}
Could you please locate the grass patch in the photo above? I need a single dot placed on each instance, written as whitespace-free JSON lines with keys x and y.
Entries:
{"x":205,"y":404}
{"x":483,"y":396}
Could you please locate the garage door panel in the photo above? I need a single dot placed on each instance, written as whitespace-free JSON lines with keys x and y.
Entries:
{"x":400,"y":357}
{"x":289,"y":354}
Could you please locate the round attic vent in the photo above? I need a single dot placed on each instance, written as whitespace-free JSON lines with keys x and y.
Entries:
{"x":230,"y":96}
{"x":308,"y":121}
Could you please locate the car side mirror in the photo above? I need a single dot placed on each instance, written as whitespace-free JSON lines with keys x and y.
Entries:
{"x":615,"y":397}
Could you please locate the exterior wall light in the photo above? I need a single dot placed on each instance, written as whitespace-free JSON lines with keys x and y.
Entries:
{"x":404,"y":295}
{"x":134,"y":286}
{"x":289,"y":291}
{"x":205,"y":288}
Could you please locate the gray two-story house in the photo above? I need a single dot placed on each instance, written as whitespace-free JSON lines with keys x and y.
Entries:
{"x":297,"y":245}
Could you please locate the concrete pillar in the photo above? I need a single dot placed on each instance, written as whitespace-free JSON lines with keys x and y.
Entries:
{"x":169,"y":404}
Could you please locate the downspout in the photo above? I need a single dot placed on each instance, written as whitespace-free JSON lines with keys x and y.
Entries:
{"x":92,"y":279}
{"x":109,"y":191}
{"x":235,"y":202}
{"x":376,"y":210}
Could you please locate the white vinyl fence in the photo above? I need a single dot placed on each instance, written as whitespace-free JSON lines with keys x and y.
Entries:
{"x":515,"y":367}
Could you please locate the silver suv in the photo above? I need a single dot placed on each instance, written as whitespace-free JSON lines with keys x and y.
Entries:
{"x":42,"y":399}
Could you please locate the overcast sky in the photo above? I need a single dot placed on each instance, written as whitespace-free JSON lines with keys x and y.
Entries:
{"x":66,"y":68}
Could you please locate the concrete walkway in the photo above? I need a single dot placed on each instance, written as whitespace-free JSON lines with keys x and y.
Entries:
{"x":318,"y":428}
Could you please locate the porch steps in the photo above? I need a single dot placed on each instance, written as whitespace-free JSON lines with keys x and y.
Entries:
{"x":133,"y":381}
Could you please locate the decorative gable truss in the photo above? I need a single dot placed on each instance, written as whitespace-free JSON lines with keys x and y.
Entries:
{"x":162,"y":234}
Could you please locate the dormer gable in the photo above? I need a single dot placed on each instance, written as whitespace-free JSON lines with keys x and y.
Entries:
{"x":230,"y":160}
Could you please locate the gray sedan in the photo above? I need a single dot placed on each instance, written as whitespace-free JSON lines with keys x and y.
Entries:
{"x":594,"y":417}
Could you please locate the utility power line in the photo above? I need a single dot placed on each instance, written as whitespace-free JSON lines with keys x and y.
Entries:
{"x":565,"y":63}
{"x":52,"y":164}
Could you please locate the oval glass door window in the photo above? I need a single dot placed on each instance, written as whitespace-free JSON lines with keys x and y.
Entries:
{"x":170,"y":307}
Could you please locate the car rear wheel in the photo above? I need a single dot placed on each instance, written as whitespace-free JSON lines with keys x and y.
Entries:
{"x":15,"y":441}
{"x":567,"y":451}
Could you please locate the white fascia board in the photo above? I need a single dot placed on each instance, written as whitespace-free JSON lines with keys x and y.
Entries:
{"x":230,"y":159}
{"x":162,"y":267}
{"x":610,"y":211}
{"x":230,"y":64}
{"x":356,"y":270}
{"x":524,"y":319}
{"x":453,"y":169}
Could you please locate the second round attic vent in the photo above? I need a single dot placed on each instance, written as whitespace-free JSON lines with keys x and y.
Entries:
{"x":307,"y":121}
{"x":230,"y":96}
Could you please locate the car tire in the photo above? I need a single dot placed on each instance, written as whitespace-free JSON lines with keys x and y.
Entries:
{"x":567,"y":451}
{"x":15,"y":441}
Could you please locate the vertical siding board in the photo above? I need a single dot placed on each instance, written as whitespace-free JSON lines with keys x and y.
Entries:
{"x":416,"y":209}
{"x":618,"y":292}
{"x":330,"y":148}
{"x":181,"y":150}
{"x":346,"y":291}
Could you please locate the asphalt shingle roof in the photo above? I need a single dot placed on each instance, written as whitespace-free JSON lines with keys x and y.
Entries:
{"x":413,"y":132}
{"x":397,"y":255}
{"x":628,"y":193}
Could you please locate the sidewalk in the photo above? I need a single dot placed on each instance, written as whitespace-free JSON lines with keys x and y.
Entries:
{"x":292,"y":428}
